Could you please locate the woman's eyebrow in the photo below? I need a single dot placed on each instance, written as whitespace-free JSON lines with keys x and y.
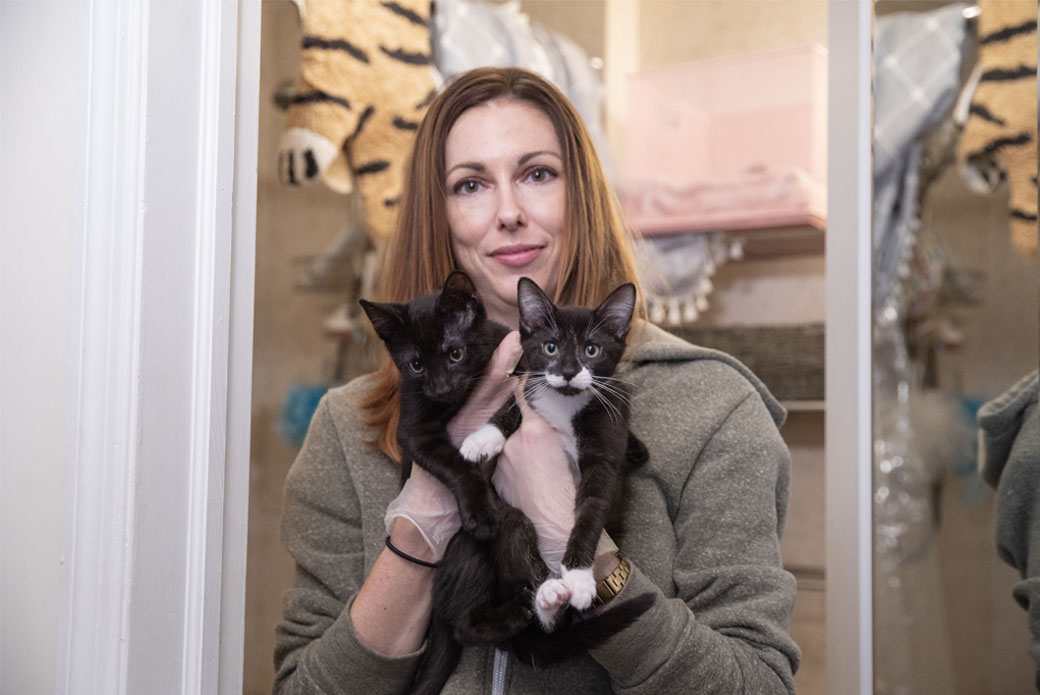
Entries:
{"x":531,"y":155}
{"x":475,"y":166}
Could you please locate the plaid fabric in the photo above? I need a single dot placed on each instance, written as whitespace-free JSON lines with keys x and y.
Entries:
{"x":917,"y":61}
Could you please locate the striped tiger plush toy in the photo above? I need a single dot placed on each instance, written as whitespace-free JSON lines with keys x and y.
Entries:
{"x":366,"y":77}
{"x":999,"y":138}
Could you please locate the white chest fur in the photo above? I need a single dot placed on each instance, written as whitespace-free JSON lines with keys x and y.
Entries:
{"x":559,"y":411}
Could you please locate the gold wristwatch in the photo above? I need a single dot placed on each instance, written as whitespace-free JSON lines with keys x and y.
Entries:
{"x":611,"y":585}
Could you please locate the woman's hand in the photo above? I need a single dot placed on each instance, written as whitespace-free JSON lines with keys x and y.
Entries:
{"x":431,"y":508}
{"x":535,"y":475}
{"x":491,"y":392}
{"x":424,"y":500}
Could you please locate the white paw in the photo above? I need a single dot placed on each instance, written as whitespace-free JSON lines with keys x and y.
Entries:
{"x":552,"y":594}
{"x":486,"y":442}
{"x":303,"y":155}
{"x":582,"y":586}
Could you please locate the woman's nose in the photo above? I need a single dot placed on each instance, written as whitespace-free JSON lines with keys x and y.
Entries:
{"x":510,"y":212}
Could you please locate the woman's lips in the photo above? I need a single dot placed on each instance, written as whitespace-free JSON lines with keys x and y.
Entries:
{"x":516,"y":255}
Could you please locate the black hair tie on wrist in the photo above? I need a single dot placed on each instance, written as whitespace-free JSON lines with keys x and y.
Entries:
{"x":400,"y":553}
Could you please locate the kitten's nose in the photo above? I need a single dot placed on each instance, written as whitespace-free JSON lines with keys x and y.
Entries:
{"x":569,"y":367}
{"x":440,"y":390}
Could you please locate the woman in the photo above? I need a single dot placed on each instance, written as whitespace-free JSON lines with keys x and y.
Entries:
{"x":504,"y":182}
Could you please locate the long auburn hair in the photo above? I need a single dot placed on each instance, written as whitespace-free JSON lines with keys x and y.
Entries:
{"x":419,"y":255}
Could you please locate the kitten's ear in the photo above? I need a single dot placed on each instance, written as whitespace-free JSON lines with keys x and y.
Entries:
{"x":460,"y":294}
{"x":615,"y":312}
{"x":535,"y":307}
{"x":387,"y":319}
{"x":459,"y":283}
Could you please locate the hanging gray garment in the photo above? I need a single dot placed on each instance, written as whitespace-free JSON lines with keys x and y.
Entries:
{"x":917,"y":64}
{"x":1009,"y":460}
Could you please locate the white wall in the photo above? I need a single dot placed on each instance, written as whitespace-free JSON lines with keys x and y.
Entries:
{"x":127,"y":217}
{"x":42,"y":73}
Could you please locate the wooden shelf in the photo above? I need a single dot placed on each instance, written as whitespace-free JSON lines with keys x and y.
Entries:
{"x":806,"y":239}
{"x":809,"y":578}
{"x":803,"y":240}
{"x":804,"y":406}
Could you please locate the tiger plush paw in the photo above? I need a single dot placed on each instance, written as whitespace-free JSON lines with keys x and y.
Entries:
{"x":303,"y":156}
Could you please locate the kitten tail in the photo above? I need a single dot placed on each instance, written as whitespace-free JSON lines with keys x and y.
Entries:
{"x":438,"y":663}
{"x":534,"y":647}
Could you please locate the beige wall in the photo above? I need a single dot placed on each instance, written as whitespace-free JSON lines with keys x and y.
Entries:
{"x":582,"y":21}
{"x":289,"y":342}
{"x":1000,"y":345}
{"x":676,"y":31}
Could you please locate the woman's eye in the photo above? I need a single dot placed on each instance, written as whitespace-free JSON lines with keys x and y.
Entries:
{"x":456,"y":354}
{"x":550,"y":348}
{"x":416,"y":366}
{"x":467,"y":186}
{"x":592,"y":350}
{"x":541,"y":174}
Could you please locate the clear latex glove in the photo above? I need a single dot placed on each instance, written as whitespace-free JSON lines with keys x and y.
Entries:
{"x":424,"y":500}
{"x":431,"y":508}
{"x":536,"y":475}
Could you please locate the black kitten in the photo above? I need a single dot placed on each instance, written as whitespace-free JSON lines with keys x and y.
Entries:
{"x":441,"y":344}
{"x":482,"y":593}
{"x":570,"y":355}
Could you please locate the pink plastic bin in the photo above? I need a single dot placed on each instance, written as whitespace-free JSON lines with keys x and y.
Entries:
{"x":737,"y":142}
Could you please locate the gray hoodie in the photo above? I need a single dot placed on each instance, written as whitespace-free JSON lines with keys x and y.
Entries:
{"x":702,"y":534}
{"x":1009,"y":460}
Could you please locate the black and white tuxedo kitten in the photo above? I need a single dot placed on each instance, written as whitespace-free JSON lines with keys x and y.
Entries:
{"x":570,"y":356}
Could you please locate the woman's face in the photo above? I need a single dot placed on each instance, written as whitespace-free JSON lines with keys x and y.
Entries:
{"x":506,"y":200}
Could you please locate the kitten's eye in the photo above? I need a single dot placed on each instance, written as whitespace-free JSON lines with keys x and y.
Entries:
{"x":416,"y":366}
{"x":592,"y":350}
{"x":457,"y":354}
{"x":550,"y":348}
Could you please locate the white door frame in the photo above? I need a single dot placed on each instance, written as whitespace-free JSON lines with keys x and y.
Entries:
{"x":153,"y":568}
{"x":848,"y":350}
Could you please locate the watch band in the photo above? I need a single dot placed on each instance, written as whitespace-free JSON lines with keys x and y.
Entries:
{"x":611,"y":585}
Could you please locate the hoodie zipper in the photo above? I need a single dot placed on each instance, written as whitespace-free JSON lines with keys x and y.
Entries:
{"x":498,"y":678}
